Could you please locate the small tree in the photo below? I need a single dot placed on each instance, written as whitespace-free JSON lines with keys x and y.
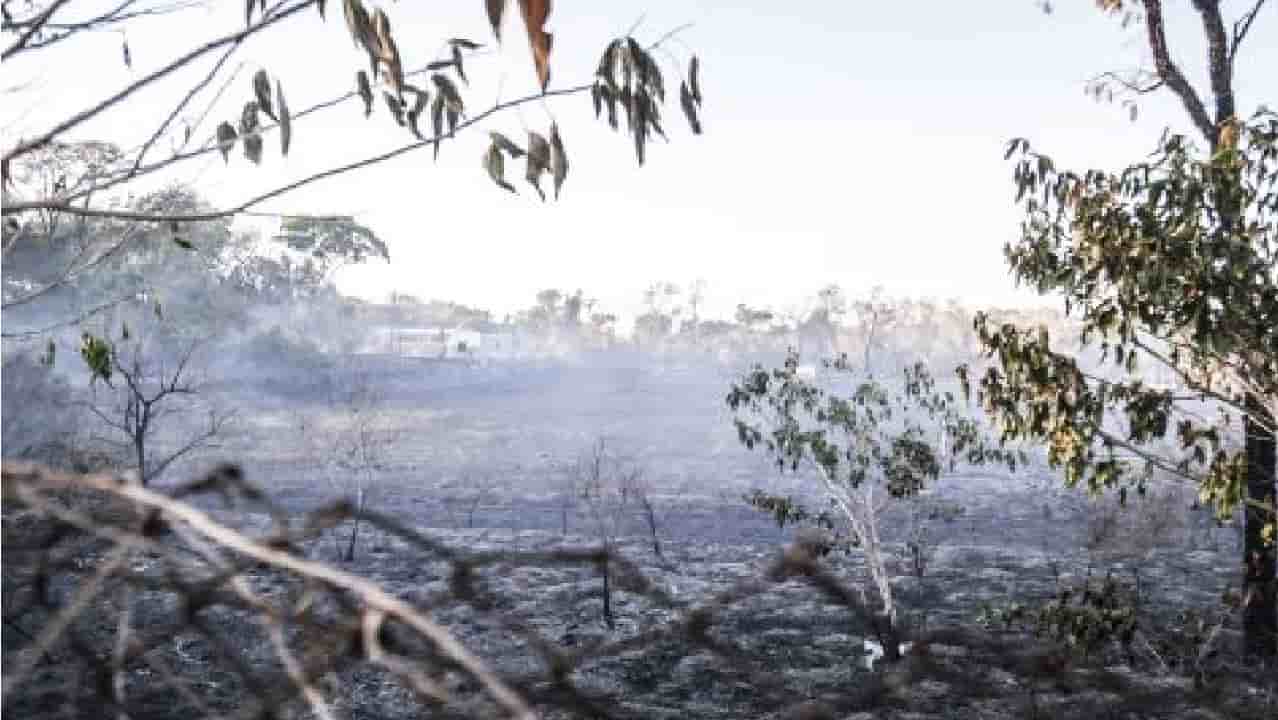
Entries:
{"x":605,"y":482}
{"x":1169,"y":265}
{"x":638,"y":488}
{"x":865,"y":449}
{"x":472,"y":490}
{"x":142,"y":386}
{"x":350,"y":438}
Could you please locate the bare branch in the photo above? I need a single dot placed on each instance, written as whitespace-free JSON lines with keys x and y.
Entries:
{"x":1242,"y":27}
{"x":1129,"y":84}
{"x":195,"y":89}
{"x":36,"y":25}
{"x":84,"y":115}
{"x":70,"y":322}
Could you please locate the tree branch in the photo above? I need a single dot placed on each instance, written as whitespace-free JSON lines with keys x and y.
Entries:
{"x":36,"y":25}
{"x":63,"y":206}
{"x":1130,"y":85}
{"x":1242,"y":27}
{"x":1220,"y":68}
{"x":78,"y":118}
{"x":1171,"y":74}
{"x":70,"y":274}
{"x":67,"y":323}
{"x":216,"y":422}
{"x":146,"y":147}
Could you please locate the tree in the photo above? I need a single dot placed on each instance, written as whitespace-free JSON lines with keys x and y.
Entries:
{"x":329,"y":245}
{"x":349,"y":438}
{"x":144,"y":385}
{"x":696,"y":296}
{"x":865,"y":447}
{"x":876,"y":316}
{"x":1168,"y":264}
{"x":605,"y":481}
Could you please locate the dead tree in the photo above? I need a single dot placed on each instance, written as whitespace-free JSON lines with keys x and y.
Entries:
{"x":142,"y":391}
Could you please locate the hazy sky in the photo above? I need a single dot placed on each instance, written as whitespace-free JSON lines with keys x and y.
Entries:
{"x":850,"y":142}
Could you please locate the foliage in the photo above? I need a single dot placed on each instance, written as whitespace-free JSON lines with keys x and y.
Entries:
{"x":855,"y":443}
{"x":1085,"y":617}
{"x":887,"y":436}
{"x":1157,"y":271}
{"x":152,"y":382}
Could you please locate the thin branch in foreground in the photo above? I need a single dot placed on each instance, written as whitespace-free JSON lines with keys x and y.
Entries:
{"x":62,"y":206}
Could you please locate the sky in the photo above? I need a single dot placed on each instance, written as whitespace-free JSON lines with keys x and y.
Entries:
{"x":845,"y":142}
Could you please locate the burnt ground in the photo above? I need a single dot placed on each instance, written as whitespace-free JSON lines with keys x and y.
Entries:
{"x":1005,"y":543}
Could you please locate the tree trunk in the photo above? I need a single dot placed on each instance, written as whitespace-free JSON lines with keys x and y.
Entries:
{"x":139,"y":448}
{"x":350,"y":546}
{"x":1260,"y":588}
{"x":607,"y":596}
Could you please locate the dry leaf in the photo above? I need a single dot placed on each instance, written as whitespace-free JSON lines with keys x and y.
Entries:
{"x":535,"y":13}
{"x":607,"y":65}
{"x":419,"y":105}
{"x":285,"y":120}
{"x":448,"y":91}
{"x":226,"y":139}
{"x":357,"y":22}
{"x":495,"y":10}
{"x":437,"y":121}
{"x":694,"y":78}
{"x":386,"y":51}
{"x":365,"y":91}
{"x":688,"y":102}
{"x":253,"y":148}
{"x":506,"y":144}
{"x":262,"y":89}
{"x":538,"y":160}
{"x":495,"y":164}
{"x":395,"y":106}
{"x":558,"y":158}
{"x":457,"y":60}
{"x":248,"y":118}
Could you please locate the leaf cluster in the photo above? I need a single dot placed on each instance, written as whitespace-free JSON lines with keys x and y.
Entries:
{"x":1085,"y":617}
{"x":248,"y":132}
{"x":630,"y":79}
{"x":1172,"y":261}
{"x":873,"y":433}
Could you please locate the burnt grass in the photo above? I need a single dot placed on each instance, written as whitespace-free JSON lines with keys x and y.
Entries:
{"x":782,"y":648}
